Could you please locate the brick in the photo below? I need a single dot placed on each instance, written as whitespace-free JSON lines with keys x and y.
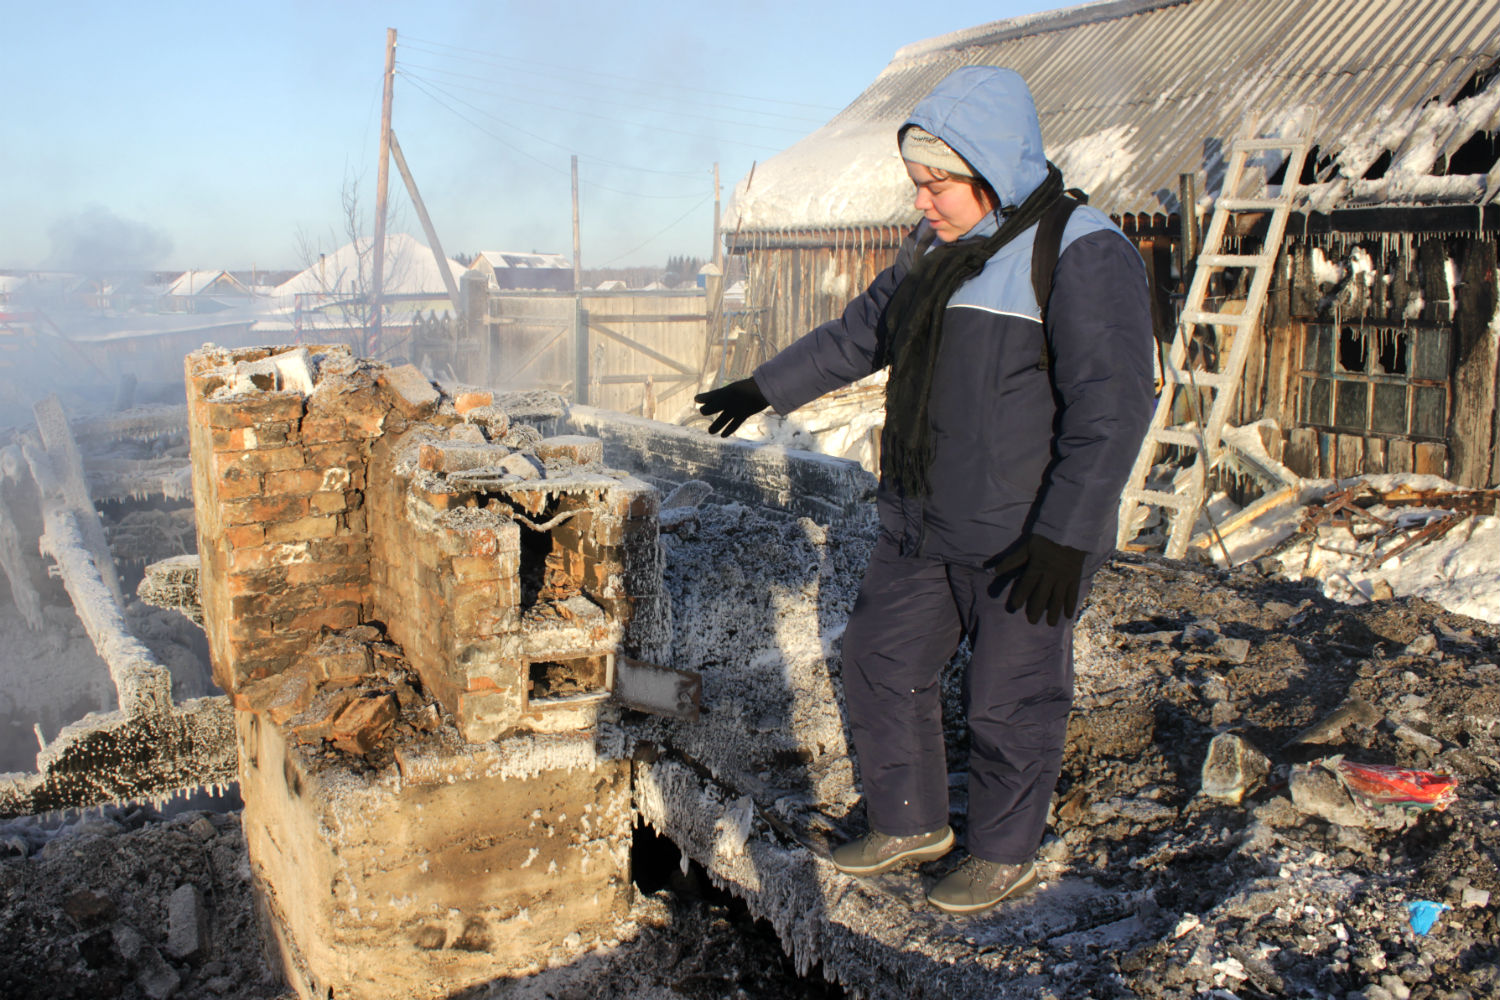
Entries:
{"x":294,"y":482}
{"x":342,"y":616}
{"x":323,"y":428}
{"x":269,"y":434}
{"x":261,"y":557}
{"x":334,"y":479}
{"x":248,"y":410}
{"x":571,"y":448}
{"x":246,"y":536}
{"x":442,"y":497}
{"x":469,"y":569}
{"x":348,"y":455}
{"x":263,"y":510}
{"x":249,"y":627}
{"x":340,"y":659}
{"x":363,"y":722}
{"x":329,"y":593}
{"x":328,"y":503}
{"x":237,"y":484}
{"x":302,"y":574}
{"x":294,"y":694}
{"x":467,"y":399}
{"x":325,"y":708}
{"x":409,"y":390}
{"x":302,"y":529}
{"x":264,"y":460}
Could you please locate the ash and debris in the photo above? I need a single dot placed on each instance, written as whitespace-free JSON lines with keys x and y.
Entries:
{"x":1152,"y":888}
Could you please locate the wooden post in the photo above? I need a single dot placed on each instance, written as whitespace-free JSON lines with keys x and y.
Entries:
{"x":713,"y":312}
{"x":432,"y":237}
{"x":474,"y":315}
{"x":580,"y":315}
{"x":382,"y":186}
{"x":581,"y":353}
{"x":718,"y":245}
{"x":577,"y":253}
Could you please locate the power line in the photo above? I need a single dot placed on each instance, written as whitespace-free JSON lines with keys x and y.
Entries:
{"x":498,"y":59}
{"x":653,"y":239}
{"x":593,"y":99}
{"x":608,"y":118}
{"x":422,"y":85}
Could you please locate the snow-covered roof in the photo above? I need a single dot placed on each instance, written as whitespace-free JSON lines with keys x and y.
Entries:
{"x":408,"y":269}
{"x":1133,"y":93}
{"x":498,"y":259}
{"x":199,"y":282}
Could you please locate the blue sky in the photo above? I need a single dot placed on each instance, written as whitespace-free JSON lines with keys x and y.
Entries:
{"x":221,"y":135}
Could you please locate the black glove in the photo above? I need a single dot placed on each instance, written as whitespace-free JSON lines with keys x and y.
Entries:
{"x":1050,"y":574}
{"x":733,"y":403}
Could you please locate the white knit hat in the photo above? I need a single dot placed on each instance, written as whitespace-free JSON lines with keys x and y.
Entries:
{"x":920,"y":146}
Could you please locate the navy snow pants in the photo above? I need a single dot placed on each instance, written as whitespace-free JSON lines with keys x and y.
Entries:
{"x":906,"y":624}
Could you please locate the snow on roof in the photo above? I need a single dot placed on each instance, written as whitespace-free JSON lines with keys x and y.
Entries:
{"x":498,"y":259}
{"x":1133,"y":93}
{"x":199,"y":282}
{"x":408,"y":269}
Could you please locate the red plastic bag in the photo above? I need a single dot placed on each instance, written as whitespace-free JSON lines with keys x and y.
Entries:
{"x":1386,"y":785}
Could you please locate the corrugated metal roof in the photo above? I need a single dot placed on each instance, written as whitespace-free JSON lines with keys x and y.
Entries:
{"x":1133,"y":93}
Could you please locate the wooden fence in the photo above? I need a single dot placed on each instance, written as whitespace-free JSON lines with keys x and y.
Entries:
{"x":630,"y":351}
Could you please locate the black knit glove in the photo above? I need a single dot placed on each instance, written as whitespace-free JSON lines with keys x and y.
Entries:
{"x":733,"y":403}
{"x":1048,"y":581}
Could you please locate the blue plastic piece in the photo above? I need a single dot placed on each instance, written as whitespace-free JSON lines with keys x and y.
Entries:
{"x":1424,"y":913}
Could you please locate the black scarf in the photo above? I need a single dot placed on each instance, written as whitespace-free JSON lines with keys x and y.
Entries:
{"x":911,"y":330}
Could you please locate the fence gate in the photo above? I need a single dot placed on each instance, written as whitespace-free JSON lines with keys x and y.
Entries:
{"x":642,"y":352}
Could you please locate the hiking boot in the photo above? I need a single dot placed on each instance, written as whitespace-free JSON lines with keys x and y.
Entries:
{"x":877,"y":852}
{"x":978,"y":884}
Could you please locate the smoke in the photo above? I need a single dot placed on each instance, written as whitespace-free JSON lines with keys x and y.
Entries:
{"x":97,"y":241}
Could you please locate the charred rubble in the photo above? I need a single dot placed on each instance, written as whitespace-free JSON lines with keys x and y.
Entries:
{"x":1200,"y":844}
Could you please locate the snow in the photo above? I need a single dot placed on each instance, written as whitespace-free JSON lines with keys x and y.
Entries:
{"x":1094,"y":162}
{"x":409,"y":269}
{"x":1460,"y":571}
{"x":846,"y":173}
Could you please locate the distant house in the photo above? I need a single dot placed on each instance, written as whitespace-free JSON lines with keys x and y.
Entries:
{"x":509,"y":271}
{"x":1376,"y":351}
{"x":202,"y":291}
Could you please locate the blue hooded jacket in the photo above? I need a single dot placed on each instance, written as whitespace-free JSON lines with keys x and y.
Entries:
{"x":1017,"y":447}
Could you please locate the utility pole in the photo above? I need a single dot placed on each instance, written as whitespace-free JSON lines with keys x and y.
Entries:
{"x":382,"y":184}
{"x":580,"y":315}
{"x":577,"y":253}
{"x":718,"y":254}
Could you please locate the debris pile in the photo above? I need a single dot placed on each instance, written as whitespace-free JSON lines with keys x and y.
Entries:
{"x":1156,"y":885}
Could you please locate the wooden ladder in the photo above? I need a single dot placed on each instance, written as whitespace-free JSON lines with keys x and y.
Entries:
{"x":1199,"y":431}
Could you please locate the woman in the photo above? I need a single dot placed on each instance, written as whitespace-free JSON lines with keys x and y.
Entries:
{"x":1011,"y":427}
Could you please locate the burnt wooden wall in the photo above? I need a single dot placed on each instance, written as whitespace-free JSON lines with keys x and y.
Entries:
{"x":1404,"y":266}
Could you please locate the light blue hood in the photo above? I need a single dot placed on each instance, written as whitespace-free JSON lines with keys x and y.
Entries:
{"x":986,"y":114}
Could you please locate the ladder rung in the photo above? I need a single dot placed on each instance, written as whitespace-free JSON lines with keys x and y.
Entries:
{"x":1252,"y":204}
{"x":1187,"y":439}
{"x":1196,"y":316}
{"x":1272,"y":142}
{"x":1235,"y":259}
{"x":1159,"y":498}
{"x":1203,"y":380}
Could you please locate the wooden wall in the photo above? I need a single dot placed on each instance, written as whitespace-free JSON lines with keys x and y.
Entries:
{"x":1405,"y":267}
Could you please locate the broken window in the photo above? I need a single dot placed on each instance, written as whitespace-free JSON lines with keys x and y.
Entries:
{"x":1376,"y":380}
